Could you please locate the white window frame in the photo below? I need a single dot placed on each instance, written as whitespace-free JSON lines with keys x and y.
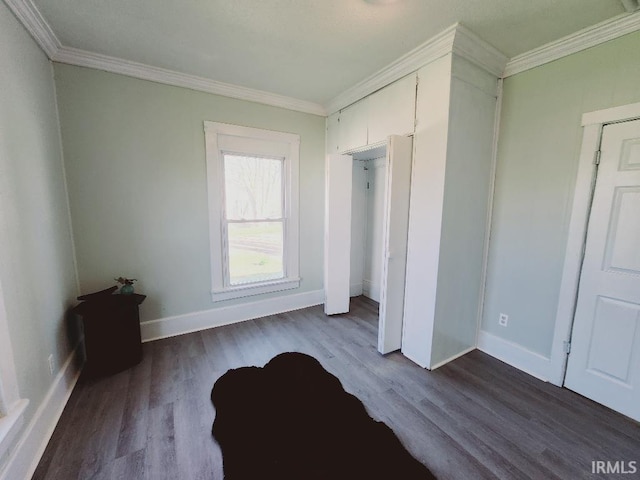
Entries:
{"x":221,"y":138}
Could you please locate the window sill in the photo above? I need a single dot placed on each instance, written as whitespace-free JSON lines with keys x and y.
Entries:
{"x":250,"y":290}
{"x":11,"y":424}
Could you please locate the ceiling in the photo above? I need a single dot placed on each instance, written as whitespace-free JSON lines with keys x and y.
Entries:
{"x":310,"y":50}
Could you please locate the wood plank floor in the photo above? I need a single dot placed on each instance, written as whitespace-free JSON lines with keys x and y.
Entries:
{"x":475,"y":418}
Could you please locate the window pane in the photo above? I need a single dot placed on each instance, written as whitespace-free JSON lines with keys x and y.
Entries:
{"x":255,"y":252}
{"x":253,"y":187}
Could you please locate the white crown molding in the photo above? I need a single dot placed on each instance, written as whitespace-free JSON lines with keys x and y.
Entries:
{"x":457,"y":39}
{"x":83,"y":58}
{"x":471,"y":47}
{"x":576,"y":42}
{"x":36,"y":25}
{"x":429,"y":51}
{"x":29,"y":15}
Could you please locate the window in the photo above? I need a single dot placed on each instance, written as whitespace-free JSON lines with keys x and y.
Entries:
{"x":252,"y":179}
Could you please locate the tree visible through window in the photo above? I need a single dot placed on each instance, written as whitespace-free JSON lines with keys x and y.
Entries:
{"x":252,"y":179}
{"x":254,"y":221}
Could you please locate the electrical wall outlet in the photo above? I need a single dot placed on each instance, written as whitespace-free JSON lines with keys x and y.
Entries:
{"x":51,"y":365}
{"x":503,"y":320}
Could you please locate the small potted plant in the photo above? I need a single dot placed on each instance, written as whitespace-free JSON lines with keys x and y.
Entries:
{"x":127,"y":285}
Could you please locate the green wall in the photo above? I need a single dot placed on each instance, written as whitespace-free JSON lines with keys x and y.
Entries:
{"x":538,"y":149}
{"x":134,"y":153}
{"x":36,"y":256}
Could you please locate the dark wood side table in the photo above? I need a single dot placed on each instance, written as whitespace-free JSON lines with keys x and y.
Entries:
{"x":111,"y":332}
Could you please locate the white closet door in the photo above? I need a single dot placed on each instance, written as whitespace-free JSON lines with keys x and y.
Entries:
{"x":604,"y":363}
{"x":352,"y":127}
{"x":337,"y":233}
{"x":396,"y":225}
{"x":392,"y":110}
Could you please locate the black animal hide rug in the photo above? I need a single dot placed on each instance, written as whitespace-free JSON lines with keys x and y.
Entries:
{"x":292,"y":419}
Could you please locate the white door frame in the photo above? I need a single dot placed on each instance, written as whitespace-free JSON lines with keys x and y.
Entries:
{"x":592,"y":123}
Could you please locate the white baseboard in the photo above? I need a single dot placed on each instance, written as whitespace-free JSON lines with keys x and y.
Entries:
{"x":217,"y":317}
{"x":515,"y":355}
{"x":453,"y":357}
{"x":371,"y":289}
{"x":355,"y":289}
{"x":33,"y":441}
{"x":11,"y":426}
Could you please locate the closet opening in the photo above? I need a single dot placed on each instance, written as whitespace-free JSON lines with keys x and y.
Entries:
{"x":367,"y":217}
{"x":366,"y":228}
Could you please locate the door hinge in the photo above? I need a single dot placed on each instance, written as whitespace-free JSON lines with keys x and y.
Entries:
{"x":596,"y":159}
{"x":566,"y":346}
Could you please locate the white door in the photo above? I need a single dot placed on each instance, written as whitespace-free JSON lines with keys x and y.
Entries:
{"x":395,"y":225}
{"x":352,"y":126}
{"x":337,"y":233}
{"x":604,"y":363}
